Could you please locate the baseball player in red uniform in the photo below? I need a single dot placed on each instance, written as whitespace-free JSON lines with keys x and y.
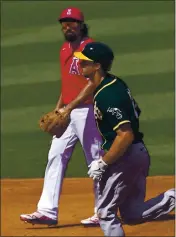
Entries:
{"x":76,"y":100}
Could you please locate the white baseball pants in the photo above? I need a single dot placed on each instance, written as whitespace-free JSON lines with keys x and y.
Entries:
{"x":83,"y":128}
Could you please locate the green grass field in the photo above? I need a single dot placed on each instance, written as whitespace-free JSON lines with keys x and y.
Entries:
{"x":141,"y":33}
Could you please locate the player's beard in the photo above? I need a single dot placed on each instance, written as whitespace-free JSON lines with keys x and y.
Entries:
{"x":70,"y":36}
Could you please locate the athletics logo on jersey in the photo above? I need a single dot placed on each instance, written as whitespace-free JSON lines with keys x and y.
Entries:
{"x":115,"y":111}
{"x":74,"y":69}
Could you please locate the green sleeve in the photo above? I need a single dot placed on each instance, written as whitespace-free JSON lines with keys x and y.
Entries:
{"x":115,"y":111}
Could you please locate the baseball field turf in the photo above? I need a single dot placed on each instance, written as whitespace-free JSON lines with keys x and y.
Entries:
{"x":141,"y":33}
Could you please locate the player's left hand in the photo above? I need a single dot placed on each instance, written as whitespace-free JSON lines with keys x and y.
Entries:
{"x":96,"y":169}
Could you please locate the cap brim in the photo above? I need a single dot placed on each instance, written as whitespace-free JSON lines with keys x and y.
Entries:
{"x":81,"y":56}
{"x":69,"y":19}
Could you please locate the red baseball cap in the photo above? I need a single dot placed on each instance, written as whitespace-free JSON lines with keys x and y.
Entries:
{"x":73,"y":13}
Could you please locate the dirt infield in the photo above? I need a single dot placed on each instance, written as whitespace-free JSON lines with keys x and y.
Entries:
{"x":21,"y":196}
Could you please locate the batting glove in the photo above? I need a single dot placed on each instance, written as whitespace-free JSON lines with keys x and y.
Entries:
{"x":96,"y":169}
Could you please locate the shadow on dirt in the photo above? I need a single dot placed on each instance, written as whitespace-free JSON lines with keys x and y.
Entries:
{"x":60,"y":226}
{"x":163,"y":218}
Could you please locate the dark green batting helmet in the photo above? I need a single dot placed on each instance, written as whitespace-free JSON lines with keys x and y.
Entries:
{"x":98,"y":53}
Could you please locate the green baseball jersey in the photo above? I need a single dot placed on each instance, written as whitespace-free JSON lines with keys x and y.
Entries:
{"x":113,"y":106}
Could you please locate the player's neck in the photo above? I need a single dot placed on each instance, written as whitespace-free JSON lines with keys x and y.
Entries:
{"x":99,"y":77}
{"x":75,"y":45}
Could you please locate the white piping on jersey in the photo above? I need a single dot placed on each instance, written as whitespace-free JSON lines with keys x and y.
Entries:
{"x":104,"y":87}
{"x":95,"y":120}
{"x":125,"y":121}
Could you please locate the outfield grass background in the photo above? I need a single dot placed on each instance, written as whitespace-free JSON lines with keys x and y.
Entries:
{"x":141,"y":33}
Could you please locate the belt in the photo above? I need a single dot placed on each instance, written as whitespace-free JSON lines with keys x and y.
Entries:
{"x":138,"y":141}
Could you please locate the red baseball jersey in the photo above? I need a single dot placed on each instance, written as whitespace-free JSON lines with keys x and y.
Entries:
{"x":72,"y":81}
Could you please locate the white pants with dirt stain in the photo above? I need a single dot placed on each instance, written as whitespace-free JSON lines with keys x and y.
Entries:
{"x":83,"y":128}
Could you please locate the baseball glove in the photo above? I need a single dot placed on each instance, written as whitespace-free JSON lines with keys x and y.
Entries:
{"x":55,"y":123}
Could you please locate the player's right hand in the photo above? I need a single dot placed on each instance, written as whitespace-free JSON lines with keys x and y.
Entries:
{"x":96,"y":169}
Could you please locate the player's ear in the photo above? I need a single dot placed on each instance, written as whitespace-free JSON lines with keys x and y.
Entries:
{"x":97,"y":66}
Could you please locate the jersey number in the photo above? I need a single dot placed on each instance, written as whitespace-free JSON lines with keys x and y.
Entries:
{"x":97,"y":112}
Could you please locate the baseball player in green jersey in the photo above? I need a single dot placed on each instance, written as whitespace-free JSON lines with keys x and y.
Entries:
{"x":122,"y":171}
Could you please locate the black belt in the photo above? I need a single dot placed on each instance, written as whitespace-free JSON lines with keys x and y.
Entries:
{"x":137,"y":141}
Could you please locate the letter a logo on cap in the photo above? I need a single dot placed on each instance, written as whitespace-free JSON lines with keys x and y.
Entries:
{"x":69,"y":12}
